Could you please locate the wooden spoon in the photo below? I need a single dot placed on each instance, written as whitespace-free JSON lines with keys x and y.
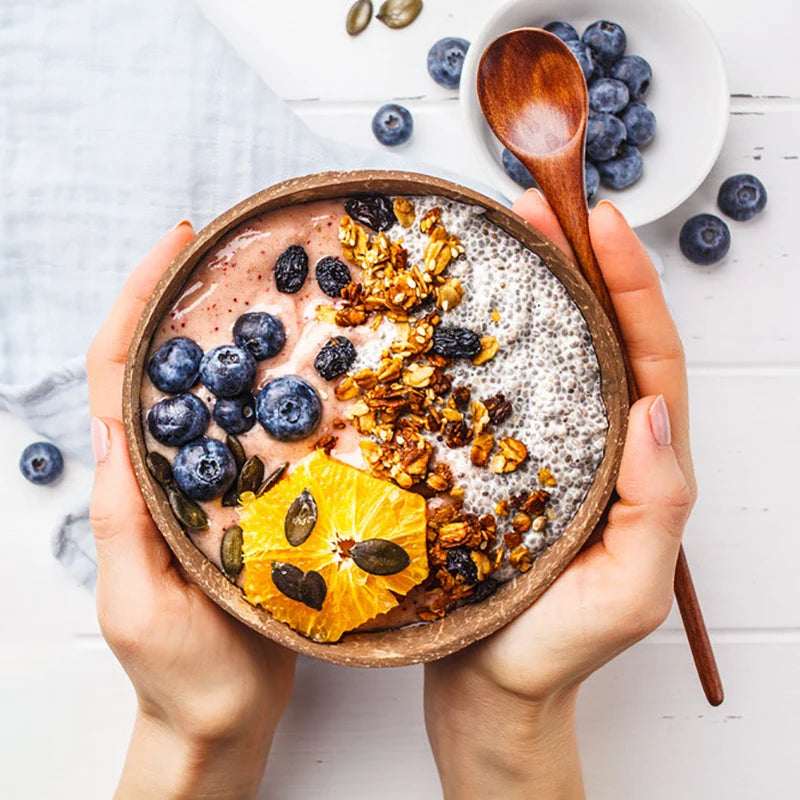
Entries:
{"x":533,"y":95}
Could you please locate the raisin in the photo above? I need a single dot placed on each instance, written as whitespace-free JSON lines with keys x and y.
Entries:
{"x":332,"y":276}
{"x":486,"y":588}
{"x":374,"y":210}
{"x":335,"y":358}
{"x":459,"y":562}
{"x":455,"y":342}
{"x":291,"y":269}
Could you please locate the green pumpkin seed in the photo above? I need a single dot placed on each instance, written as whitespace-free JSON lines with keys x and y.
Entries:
{"x":231,"y":497}
{"x":286,"y":578}
{"x":380,"y":557}
{"x":300,"y":518}
{"x":313,"y":590}
{"x":237,"y":451}
{"x":230,"y":551}
{"x":160,"y":469}
{"x":358,"y":17}
{"x":272,"y":479}
{"x":251,"y":475}
{"x":399,"y":13}
{"x":187,"y":512}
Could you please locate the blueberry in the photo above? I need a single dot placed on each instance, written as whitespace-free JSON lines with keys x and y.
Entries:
{"x":608,"y":94}
{"x":41,"y":463}
{"x":332,"y":276}
{"x":459,"y":562}
{"x":335,"y":358}
{"x":485,"y":588}
{"x":204,"y":469}
{"x":177,"y":420}
{"x":604,"y":135}
{"x":563,"y":30}
{"x":635,"y":73}
{"x":445,"y":61}
{"x":235,"y":414}
{"x":375,"y":210}
{"x":607,"y":40}
{"x":741,"y":197}
{"x":585,"y":57}
{"x":640,"y":123}
{"x":705,"y":239}
{"x":515,"y":170}
{"x":227,"y":370}
{"x":591,"y":179}
{"x":291,"y":269}
{"x":175,"y":365}
{"x":623,"y":170}
{"x":288,"y":408}
{"x":262,"y":334}
{"x":392,"y":124}
{"x":455,"y":342}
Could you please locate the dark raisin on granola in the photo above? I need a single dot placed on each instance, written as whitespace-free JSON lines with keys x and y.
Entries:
{"x":374,"y":210}
{"x":486,"y":588}
{"x":460,"y":563}
{"x":457,"y":434}
{"x":499,"y":408}
{"x":335,"y":358}
{"x":455,"y":342}
{"x":291,"y":269}
{"x":461,"y":395}
{"x":332,"y":276}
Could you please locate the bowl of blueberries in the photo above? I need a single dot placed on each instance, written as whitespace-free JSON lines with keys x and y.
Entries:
{"x":658,"y":99}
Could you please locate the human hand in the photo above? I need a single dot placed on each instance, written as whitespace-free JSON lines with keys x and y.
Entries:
{"x":500,"y":714}
{"x":210,"y":690}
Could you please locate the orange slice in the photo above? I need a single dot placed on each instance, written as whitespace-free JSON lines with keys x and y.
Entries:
{"x":352,"y":510}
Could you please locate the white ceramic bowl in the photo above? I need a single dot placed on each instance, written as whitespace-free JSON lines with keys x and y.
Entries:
{"x":689,"y":94}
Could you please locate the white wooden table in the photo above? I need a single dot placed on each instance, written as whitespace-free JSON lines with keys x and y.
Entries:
{"x":644,"y":727}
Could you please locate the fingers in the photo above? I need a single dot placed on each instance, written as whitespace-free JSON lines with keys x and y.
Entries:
{"x":533,"y":208}
{"x":107,"y":354}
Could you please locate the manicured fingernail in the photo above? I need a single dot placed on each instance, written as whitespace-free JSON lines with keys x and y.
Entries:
{"x":101,"y":440}
{"x":659,"y":422}
{"x":610,"y":205}
{"x":534,"y":192}
{"x":181,"y":224}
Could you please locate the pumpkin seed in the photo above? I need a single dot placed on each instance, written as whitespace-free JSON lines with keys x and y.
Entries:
{"x":231,"y":497}
{"x":160,"y":469}
{"x":399,"y":13}
{"x":187,"y":512}
{"x":237,"y":451}
{"x":313,"y":590}
{"x":230,"y":551}
{"x":380,"y":557}
{"x":251,"y":475}
{"x":300,"y":518}
{"x":358,"y":17}
{"x":286,"y":578}
{"x":272,"y":479}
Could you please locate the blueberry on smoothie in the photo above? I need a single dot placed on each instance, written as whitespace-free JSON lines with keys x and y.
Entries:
{"x":585,"y":57}
{"x":174,"y":367}
{"x":235,"y":414}
{"x":608,"y":95}
{"x":262,"y":334}
{"x":563,"y":30}
{"x":607,"y":40}
{"x":204,"y":469}
{"x":41,"y":463}
{"x":288,"y":408}
{"x":604,"y":135}
{"x":635,"y":73}
{"x":453,"y":342}
{"x":445,"y":61}
{"x":640,"y":123}
{"x":392,"y":124}
{"x":227,"y":370}
{"x":291,"y":269}
{"x":516,"y":170}
{"x":741,"y":197}
{"x":460,"y":563}
{"x":592,"y":180}
{"x":705,"y":239}
{"x":623,"y":170}
{"x":332,"y":276}
{"x":175,"y":421}
{"x":335,"y":358}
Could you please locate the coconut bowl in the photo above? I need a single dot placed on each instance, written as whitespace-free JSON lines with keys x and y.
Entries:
{"x":424,"y":641}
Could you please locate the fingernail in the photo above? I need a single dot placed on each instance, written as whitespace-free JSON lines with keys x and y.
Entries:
{"x":101,"y":440}
{"x":535,"y":193}
{"x":659,"y":422}
{"x":608,"y":203}
{"x":180,"y":225}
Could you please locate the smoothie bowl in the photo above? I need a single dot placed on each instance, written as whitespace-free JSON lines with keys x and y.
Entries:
{"x":374,"y":414}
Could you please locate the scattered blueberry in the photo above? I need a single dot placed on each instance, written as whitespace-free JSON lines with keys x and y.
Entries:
{"x":604,"y":135}
{"x":455,"y":342}
{"x":623,"y":170}
{"x":445,"y":61}
{"x":392,"y":124}
{"x":705,"y":239}
{"x":291,"y":269}
{"x":592,"y":180}
{"x":261,"y":334}
{"x":607,"y":40}
{"x":235,"y":414}
{"x":204,"y":469}
{"x":741,"y":197}
{"x":375,"y":210}
{"x":608,"y":95}
{"x":459,"y":562}
{"x":288,"y":408}
{"x":335,"y":358}
{"x":175,"y":365}
{"x":332,"y":276}
{"x":227,"y":370}
{"x":640,"y":123}
{"x":563,"y":30}
{"x":175,"y":421}
{"x":585,"y":57}
{"x":41,"y":463}
{"x":516,"y":170}
{"x":635,"y":73}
